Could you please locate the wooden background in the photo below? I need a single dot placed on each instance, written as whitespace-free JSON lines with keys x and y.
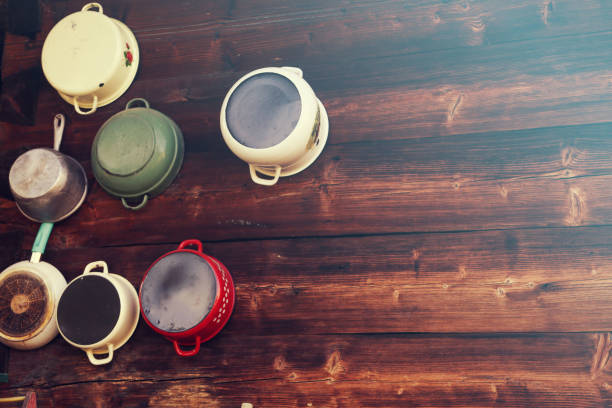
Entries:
{"x":451,"y":247}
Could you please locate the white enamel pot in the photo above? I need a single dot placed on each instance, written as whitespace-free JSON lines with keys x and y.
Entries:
{"x":292,"y":149}
{"x":90,"y":58}
{"x":29,"y":291}
{"x":98,"y":312}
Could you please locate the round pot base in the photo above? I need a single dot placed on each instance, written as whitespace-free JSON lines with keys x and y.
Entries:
{"x":128,"y":80}
{"x":136,"y":315}
{"x":310,"y":157}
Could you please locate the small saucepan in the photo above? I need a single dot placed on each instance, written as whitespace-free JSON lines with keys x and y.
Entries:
{"x":47,"y":185}
{"x":29,"y":291}
{"x":187,"y":296}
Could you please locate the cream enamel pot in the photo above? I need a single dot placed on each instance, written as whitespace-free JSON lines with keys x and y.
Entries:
{"x":90,"y":58}
{"x":29,"y":291}
{"x":187,"y":296}
{"x":98,"y":312}
{"x":272,"y":119}
{"x":48,"y":186}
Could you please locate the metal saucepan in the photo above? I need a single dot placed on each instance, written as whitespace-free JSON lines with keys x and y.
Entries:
{"x":47,"y":185}
{"x":29,"y":291}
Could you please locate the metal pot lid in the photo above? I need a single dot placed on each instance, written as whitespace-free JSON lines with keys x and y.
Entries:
{"x":25,"y":305}
{"x":125,"y":144}
{"x":263,"y":110}
{"x":81,"y":51}
{"x":178,"y":292}
{"x":34,"y":173}
{"x":88,"y":309}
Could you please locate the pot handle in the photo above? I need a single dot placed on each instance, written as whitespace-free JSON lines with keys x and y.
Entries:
{"x":89,"y":6}
{"x":97,"y":264}
{"x":89,"y":112}
{"x":58,"y":129}
{"x":130,"y":103}
{"x":265,"y":182}
{"x":145,"y":198}
{"x":189,"y":353}
{"x":294,"y":70}
{"x":99,"y":361}
{"x":40,"y":242}
{"x":188,"y":242}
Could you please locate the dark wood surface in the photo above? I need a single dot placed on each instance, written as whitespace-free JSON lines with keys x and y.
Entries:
{"x":452,"y":246}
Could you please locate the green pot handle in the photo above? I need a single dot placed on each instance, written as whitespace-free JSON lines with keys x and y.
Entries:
{"x":40,"y":242}
{"x":130,"y":103}
{"x":145,"y":198}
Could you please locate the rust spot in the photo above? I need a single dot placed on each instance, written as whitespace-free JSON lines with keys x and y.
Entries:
{"x":334,"y":365}
{"x":279,"y":363}
{"x":567,"y":156}
{"x":577,"y":207}
{"x":601,"y":355}
{"x":453,"y":108}
{"x":546,"y":10}
{"x":254,"y":304}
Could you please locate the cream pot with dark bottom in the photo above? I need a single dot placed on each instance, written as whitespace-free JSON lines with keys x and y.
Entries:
{"x":272,"y":119}
{"x":98,"y":312}
{"x":90,"y":58}
{"x":137,"y":153}
{"x":29,"y":291}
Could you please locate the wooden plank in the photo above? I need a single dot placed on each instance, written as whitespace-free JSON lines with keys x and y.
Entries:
{"x":364,"y":393}
{"x":501,"y":369}
{"x":404,"y":92}
{"x":543,"y":177}
{"x":539,"y":280}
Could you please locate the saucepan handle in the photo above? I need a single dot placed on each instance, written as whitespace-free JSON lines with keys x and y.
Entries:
{"x":188,"y":242}
{"x":264,"y":182}
{"x":58,"y":129}
{"x":100,"y":361}
{"x":89,"y":6}
{"x":189,"y":353}
{"x":97,"y":264}
{"x":89,"y":112}
{"x":40,"y":242}
{"x":145,"y":198}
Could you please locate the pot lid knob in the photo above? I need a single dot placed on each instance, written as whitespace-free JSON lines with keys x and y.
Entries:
{"x":125,"y":144}
{"x":24,"y":305}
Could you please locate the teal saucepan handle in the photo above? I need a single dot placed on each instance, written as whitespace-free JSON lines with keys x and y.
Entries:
{"x":41,"y":239}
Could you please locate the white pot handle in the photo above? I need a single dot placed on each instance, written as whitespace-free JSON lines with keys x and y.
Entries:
{"x":263,"y":181}
{"x":89,"y":6}
{"x":89,"y":112}
{"x":96,"y":264}
{"x":99,"y":361}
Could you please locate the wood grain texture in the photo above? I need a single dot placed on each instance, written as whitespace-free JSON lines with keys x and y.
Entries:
{"x":450,"y":248}
{"x":333,"y":371}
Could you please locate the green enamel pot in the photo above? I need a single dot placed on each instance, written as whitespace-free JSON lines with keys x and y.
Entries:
{"x":137,"y":153}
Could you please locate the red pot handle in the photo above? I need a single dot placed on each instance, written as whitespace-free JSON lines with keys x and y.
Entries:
{"x":189,"y":353}
{"x":191,"y":242}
